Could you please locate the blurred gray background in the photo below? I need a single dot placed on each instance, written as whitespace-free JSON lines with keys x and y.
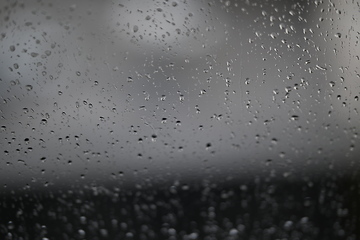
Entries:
{"x":145,"y":91}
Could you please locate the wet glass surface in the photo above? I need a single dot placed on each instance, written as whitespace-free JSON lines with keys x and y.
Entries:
{"x":179,"y":119}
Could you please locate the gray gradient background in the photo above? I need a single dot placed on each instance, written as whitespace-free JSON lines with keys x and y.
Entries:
{"x":231,"y":74}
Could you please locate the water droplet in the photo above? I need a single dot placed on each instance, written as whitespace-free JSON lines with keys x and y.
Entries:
{"x":34,"y":54}
{"x":73,"y":7}
{"x":197,"y":109}
{"x":129,"y":235}
{"x":29,"y":87}
{"x":202,"y":92}
{"x":338,"y":35}
{"x":227,"y":82}
{"x":352,"y":146}
{"x":273,"y":35}
{"x":294,"y":117}
{"x":10,"y":225}
{"x":12,"y":48}
{"x":321,"y":67}
{"x":163,"y":98}
{"x":332,"y":84}
{"x":81,"y":233}
{"x":288,"y":225}
{"x":153,"y":138}
{"x":193,"y":236}
{"x":286,"y":174}
{"x":135,"y":28}
{"x":268,"y":162}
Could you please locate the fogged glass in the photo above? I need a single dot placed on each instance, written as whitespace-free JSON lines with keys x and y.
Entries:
{"x":126,"y":96}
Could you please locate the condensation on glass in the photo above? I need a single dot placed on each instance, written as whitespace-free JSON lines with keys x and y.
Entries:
{"x":140,"y":94}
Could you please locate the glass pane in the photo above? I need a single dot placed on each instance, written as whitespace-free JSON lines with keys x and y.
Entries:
{"x":179,"y":119}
